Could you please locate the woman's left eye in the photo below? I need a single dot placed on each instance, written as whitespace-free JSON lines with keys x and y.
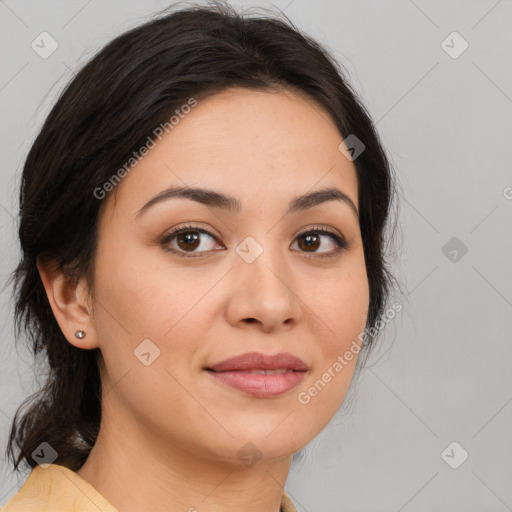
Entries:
{"x":312,"y":239}
{"x":189,"y":238}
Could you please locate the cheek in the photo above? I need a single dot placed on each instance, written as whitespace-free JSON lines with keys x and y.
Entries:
{"x":341,"y":310}
{"x":155,"y":314}
{"x":143,"y":299}
{"x":340,"y":304}
{"x":145,"y":296}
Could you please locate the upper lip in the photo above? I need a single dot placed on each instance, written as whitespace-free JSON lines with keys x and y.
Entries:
{"x":259,"y":361}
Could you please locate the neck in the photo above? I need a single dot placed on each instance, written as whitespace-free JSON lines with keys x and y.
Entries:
{"x":142,"y":473}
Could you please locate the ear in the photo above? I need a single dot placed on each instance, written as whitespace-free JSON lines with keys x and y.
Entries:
{"x":69,"y":301}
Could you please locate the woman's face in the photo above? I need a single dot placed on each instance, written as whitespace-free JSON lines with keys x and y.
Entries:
{"x":242,"y":280}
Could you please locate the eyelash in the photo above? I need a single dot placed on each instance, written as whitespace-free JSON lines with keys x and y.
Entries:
{"x":340,"y":241}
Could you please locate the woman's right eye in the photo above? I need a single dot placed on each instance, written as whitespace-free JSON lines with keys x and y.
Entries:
{"x":187,"y":239}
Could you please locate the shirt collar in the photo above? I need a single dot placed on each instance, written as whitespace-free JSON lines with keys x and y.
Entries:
{"x":57,"y":488}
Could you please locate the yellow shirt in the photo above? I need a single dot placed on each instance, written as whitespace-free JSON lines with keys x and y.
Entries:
{"x":56,"y":488}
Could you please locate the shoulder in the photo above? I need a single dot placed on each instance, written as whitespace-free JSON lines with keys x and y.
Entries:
{"x":286,"y":504}
{"x":56,"y":488}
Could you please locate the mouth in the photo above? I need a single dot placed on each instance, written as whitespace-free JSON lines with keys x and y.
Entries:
{"x":260,"y":375}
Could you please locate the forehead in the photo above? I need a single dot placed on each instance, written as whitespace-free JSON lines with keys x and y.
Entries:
{"x":253,"y":145}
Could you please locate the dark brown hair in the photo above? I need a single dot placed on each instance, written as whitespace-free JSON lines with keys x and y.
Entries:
{"x":107,"y":112}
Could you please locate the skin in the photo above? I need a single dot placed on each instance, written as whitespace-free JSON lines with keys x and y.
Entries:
{"x":170,"y":433}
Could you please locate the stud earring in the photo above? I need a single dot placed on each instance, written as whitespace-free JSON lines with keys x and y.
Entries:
{"x":80,"y":334}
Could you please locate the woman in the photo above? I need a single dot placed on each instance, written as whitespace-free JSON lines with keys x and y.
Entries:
{"x":201,"y":225}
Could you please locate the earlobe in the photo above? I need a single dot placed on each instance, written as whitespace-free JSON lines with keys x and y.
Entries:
{"x":68,"y":300}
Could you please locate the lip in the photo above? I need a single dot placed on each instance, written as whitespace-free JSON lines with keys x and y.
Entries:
{"x":234,"y":372}
{"x":259,"y":361}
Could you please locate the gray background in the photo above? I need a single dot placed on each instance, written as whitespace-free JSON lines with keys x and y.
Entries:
{"x":443,"y":372}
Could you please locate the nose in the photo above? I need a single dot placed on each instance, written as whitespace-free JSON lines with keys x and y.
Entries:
{"x":262,"y":293}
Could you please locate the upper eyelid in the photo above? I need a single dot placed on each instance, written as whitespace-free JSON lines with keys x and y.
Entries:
{"x":315,"y":228}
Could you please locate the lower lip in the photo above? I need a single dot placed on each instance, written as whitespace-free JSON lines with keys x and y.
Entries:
{"x":258,"y":384}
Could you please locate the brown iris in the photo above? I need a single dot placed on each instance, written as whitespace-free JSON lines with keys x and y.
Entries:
{"x":309,"y":241}
{"x":190,"y":238}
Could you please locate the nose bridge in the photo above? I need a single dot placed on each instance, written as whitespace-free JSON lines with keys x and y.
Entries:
{"x":260,"y":262}
{"x":262,"y":281}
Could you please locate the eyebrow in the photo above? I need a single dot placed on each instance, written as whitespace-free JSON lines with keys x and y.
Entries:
{"x":218,"y":200}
